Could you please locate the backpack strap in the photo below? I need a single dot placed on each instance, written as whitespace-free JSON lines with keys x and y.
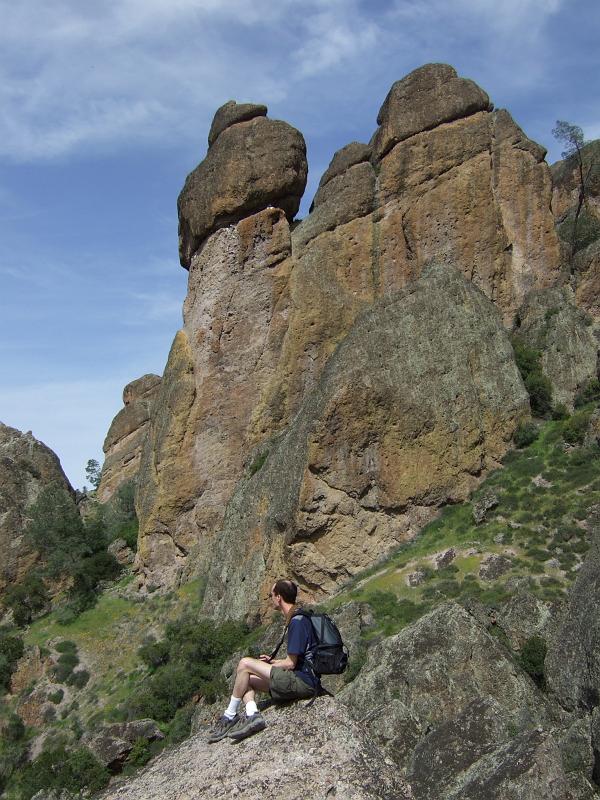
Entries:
{"x":299,"y":612}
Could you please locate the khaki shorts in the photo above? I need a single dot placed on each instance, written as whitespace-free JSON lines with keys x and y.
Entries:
{"x":284,"y":684}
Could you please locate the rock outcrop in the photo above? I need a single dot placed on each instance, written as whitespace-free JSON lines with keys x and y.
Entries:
{"x":125,"y":438}
{"x":259,"y":446}
{"x":26,"y":467}
{"x":316,"y":752}
{"x":252,"y":163}
{"x":550,"y":321}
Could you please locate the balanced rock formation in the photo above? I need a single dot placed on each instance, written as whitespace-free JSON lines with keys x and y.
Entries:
{"x":124,"y":440}
{"x":26,"y":467}
{"x":252,"y":162}
{"x":315,"y":410}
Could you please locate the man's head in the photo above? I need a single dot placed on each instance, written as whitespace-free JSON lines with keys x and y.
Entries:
{"x":284,"y":592}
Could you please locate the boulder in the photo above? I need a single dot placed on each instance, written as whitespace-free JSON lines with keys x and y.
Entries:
{"x":427,"y":97}
{"x":230,"y":114}
{"x":427,"y":679}
{"x":493,"y":566}
{"x":113,"y":743}
{"x":26,"y":467}
{"x":250,"y":166}
{"x":121,"y":551}
{"x":482,"y":505}
{"x":350,"y":155}
{"x":304,"y":752}
{"x":550,"y":321}
{"x":524,"y":615}
{"x":125,"y":438}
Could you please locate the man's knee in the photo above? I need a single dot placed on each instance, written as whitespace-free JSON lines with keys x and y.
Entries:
{"x":244,"y":664}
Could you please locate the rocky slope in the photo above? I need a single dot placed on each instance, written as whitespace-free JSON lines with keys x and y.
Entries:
{"x":272,"y":308}
{"x":26,"y":466}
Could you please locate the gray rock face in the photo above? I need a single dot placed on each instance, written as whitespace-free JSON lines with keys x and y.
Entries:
{"x":113,"y":743}
{"x":249,"y":167}
{"x":573,"y":658}
{"x":125,"y":438}
{"x":350,"y":155}
{"x":26,"y":467}
{"x":550,"y":321}
{"x":230,"y":114}
{"x":316,"y":752}
{"x":428,"y":96}
{"x":342,"y":199}
{"x":443,"y":672}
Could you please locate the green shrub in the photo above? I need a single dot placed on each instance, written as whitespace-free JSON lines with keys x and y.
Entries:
{"x":525,"y":434}
{"x":187,"y":661}
{"x":56,"y":697}
{"x":356,"y":662}
{"x":531,"y":658}
{"x":66,"y":646}
{"x":575,"y":428}
{"x":78,"y":679}
{"x":27,"y":598}
{"x":589,"y":393}
{"x":181,"y":725}
{"x":560,"y":411}
{"x":540,"y":394}
{"x":11,"y":650}
{"x":258,"y":463}
{"x":58,"y":768}
{"x":140,"y":753}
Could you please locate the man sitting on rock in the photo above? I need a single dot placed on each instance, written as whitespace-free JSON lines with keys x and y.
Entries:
{"x":289,"y":678}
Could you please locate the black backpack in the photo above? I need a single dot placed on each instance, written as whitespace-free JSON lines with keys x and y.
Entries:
{"x":330,"y":656}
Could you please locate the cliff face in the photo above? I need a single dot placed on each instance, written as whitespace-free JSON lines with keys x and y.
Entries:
{"x":125,"y":438}
{"x":337,"y":380}
{"x":26,"y":466}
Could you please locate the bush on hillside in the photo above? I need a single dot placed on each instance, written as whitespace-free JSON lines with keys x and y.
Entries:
{"x":529,"y":363}
{"x":57,"y":768}
{"x":525,"y":434}
{"x":576,"y":426}
{"x":531,"y":659}
{"x":589,"y":393}
{"x":11,"y":650}
{"x":26,"y":599}
{"x":187,"y":661}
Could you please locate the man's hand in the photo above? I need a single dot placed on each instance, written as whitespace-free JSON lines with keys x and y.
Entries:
{"x":263,"y":657}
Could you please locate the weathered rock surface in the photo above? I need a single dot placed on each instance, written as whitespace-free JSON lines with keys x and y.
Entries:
{"x":587,"y":271}
{"x":230,"y":114}
{"x":200,"y":435}
{"x":250,"y":166}
{"x":125,"y":438}
{"x":121,"y":551}
{"x":316,"y":752}
{"x":26,"y":467}
{"x":370,"y":455}
{"x":113,"y":743}
{"x":566,"y":181}
{"x":573,"y":659}
{"x":550,"y":321}
{"x":429,"y":96}
{"x":442,"y":669}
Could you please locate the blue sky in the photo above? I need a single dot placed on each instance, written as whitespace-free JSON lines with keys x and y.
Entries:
{"x":105,"y":107}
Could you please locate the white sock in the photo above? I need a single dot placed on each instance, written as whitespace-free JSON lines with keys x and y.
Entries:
{"x":233,"y":706}
{"x":251,"y":708}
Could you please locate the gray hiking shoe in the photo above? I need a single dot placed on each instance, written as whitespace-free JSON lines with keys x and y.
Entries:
{"x":222,"y":728}
{"x":252,"y":725}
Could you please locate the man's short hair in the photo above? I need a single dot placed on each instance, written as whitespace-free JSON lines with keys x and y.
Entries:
{"x":286,"y":589}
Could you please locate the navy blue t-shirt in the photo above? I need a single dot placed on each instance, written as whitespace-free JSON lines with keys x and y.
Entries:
{"x":302,"y":639}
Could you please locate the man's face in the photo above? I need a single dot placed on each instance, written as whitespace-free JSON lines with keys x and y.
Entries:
{"x":275,"y":597}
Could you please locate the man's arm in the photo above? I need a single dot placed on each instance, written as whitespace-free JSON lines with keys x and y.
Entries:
{"x":285,"y":663}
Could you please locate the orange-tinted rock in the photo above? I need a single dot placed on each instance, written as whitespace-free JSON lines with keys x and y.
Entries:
{"x":125,"y":438}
